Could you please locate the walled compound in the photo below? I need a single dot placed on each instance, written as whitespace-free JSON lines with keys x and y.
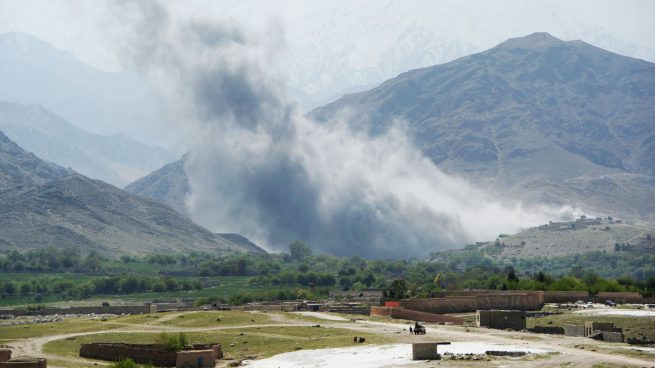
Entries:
{"x":195,"y":356}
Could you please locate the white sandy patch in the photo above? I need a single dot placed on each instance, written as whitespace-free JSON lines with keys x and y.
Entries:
{"x":322,"y":315}
{"x":482,"y":347}
{"x":636,"y":348}
{"x":373,"y":356}
{"x":618,"y":312}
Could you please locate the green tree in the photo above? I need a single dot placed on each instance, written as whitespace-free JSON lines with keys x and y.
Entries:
{"x":299,"y":250}
{"x":398,"y":289}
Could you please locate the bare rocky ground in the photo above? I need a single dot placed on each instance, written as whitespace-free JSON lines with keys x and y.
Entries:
{"x":563,"y":351}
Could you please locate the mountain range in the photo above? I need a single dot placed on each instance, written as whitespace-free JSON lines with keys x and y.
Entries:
{"x":534,"y":118}
{"x":20,"y":168}
{"x":538,"y":118}
{"x":116,"y":159}
{"x":42,"y":204}
{"x":168,"y":184}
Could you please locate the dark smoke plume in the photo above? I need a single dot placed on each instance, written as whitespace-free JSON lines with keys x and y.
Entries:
{"x":260,"y":168}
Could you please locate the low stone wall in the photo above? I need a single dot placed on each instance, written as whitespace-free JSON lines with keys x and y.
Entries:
{"x":347,"y":310}
{"x":551,"y":330}
{"x":147,"y":353}
{"x":144,"y":354}
{"x":613,"y":336}
{"x":266,"y":307}
{"x":25,"y":363}
{"x":134,"y":309}
{"x":169,"y":307}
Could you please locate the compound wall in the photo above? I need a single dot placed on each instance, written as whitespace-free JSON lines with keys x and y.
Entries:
{"x":144,"y":354}
{"x":620,"y":297}
{"x":482,"y":301}
{"x":411,"y":315}
{"x":566,"y":296}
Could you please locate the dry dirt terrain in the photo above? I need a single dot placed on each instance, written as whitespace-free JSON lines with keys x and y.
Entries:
{"x":53,"y":343}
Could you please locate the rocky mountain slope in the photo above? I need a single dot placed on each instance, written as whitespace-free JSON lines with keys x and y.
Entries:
{"x":18,"y":167}
{"x":42,"y":204}
{"x":168,"y":185}
{"x":534,"y":118}
{"x":116,"y":159}
{"x":547,"y":120}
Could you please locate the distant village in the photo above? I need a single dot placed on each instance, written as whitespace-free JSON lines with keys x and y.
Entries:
{"x":580,"y":223}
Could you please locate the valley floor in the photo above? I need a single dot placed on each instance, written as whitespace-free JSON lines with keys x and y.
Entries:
{"x":258,"y":339}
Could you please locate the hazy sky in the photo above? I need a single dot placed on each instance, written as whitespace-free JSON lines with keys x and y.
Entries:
{"x":76,"y":25}
{"x":336,"y":45}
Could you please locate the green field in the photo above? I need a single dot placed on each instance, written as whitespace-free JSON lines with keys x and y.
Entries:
{"x":241,"y":343}
{"x":8,"y":333}
{"x":223,"y":287}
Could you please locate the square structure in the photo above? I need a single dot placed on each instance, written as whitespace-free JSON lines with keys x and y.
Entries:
{"x":501,"y":319}
{"x":425,"y":351}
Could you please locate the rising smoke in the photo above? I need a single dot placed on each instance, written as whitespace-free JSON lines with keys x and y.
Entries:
{"x":260,"y":168}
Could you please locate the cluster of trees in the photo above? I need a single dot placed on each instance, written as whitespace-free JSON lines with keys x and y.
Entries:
{"x":302,"y":274}
{"x":52,"y":260}
{"x":40,"y":287}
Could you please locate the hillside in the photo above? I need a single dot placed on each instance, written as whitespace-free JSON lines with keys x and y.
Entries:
{"x":92,"y":215}
{"x":569,"y":238}
{"x":613,"y":238}
{"x":168,"y":185}
{"x":535,"y":117}
{"x":116,"y":159}
{"x":18,"y":167}
{"x":42,"y":204}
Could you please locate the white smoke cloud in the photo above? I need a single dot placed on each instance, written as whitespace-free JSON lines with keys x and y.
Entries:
{"x":259,"y":167}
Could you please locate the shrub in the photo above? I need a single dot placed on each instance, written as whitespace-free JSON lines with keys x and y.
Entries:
{"x":172,"y":342}
{"x":182,"y":340}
